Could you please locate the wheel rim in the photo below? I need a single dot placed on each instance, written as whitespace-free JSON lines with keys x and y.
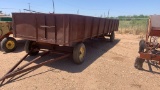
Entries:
{"x":82,"y":53}
{"x":10,"y":44}
{"x":33,"y":47}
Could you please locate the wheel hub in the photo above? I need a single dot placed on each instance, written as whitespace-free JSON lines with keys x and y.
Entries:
{"x":82,"y":53}
{"x":10,"y":44}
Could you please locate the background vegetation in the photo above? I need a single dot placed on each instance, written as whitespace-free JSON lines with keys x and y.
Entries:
{"x":136,"y":24}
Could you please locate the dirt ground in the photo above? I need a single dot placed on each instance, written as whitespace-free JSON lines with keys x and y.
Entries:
{"x":107,"y":66}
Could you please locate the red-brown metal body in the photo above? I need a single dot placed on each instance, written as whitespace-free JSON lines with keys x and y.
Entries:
{"x":61,"y":29}
{"x":151,"y":46}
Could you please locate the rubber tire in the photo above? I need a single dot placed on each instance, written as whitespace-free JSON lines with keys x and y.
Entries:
{"x":76,"y":53}
{"x":102,"y":36}
{"x":142,"y":46}
{"x":4,"y":42}
{"x":139,"y":63}
{"x":28,"y":46}
{"x":112,"y":37}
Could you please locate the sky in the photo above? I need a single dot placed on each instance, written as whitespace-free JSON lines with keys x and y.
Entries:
{"x":84,"y":7}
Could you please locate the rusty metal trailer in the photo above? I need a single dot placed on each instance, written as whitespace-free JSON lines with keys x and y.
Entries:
{"x":149,"y":48}
{"x":58,"y":33}
{"x":49,"y":31}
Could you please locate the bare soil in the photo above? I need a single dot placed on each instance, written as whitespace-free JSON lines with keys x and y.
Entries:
{"x":107,"y":66}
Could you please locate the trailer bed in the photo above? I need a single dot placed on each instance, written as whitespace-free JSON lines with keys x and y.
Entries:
{"x":61,"y":29}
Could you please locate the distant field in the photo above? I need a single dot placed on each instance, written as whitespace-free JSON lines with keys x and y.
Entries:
{"x":133,"y":26}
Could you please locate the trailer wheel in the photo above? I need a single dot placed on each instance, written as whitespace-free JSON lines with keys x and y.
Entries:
{"x":141,"y":46}
{"x":139,"y":63}
{"x":79,"y":53}
{"x":102,"y":36}
{"x":112,"y":37}
{"x":8,"y":44}
{"x":31,"y":45}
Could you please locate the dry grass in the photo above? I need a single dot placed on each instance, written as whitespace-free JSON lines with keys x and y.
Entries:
{"x":132,"y":31}
{"x":141,"y":33}
{"x":136,"y":27}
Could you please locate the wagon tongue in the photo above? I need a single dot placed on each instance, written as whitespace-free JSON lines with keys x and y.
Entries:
{"x":13,"y":72}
